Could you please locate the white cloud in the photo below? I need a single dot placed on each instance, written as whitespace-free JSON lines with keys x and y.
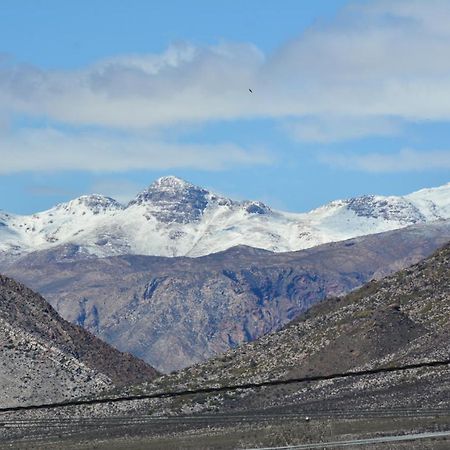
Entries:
{"x":50,"y":149}
{"x":376,"y":67}
{"x":406,"y":160}
{"x":184,"y":84}
{"x":380,"y":59}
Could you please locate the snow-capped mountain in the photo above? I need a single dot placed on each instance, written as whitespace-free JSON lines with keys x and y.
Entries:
{"x":173,"y":217}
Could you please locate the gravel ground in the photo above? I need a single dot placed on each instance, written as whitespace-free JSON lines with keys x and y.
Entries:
{"x":237,"y":431}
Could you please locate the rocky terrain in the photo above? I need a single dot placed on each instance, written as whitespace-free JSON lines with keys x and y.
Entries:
{"x":174,"y":218}
{"x":45,"y":359}
{"x":401,"y":319}
{"x":174,"y":312}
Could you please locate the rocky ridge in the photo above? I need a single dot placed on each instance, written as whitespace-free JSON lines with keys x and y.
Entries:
{"x":45,"y":359}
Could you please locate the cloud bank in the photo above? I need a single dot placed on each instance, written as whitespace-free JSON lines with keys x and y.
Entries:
{"x":50,"y":149}
{"x":383,"y":58}
{"x":373,"y":68}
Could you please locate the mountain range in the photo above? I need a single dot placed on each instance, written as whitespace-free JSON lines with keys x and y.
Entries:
{"x":175,"y":218}
{"x":177,"y":311}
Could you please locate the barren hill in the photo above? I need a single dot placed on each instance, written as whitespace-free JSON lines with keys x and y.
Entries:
{"x":45,"y":358}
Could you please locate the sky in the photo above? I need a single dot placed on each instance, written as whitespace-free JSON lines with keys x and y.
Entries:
{"x":104,"y":96}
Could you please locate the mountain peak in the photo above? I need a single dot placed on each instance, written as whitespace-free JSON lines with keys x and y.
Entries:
{"x":94,"y":203}
{"x":171,"y":182}
{"x":171,"y":199}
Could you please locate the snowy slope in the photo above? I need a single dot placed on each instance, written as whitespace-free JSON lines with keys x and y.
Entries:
{"x":174,"y":218}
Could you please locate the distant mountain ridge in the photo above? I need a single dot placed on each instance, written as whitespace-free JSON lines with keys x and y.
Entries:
{"x":175,"y":218}
{"x":174,"y":312}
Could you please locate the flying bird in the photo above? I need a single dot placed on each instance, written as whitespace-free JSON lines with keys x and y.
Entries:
{"x":250,"y":90}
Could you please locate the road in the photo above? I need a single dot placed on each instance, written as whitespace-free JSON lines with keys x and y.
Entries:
{"x":356,"y":442}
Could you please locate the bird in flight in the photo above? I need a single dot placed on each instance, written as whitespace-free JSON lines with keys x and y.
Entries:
{"x":250,"y":91}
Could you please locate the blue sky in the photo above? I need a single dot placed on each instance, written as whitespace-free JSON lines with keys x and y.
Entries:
{"x":101,"y":96}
